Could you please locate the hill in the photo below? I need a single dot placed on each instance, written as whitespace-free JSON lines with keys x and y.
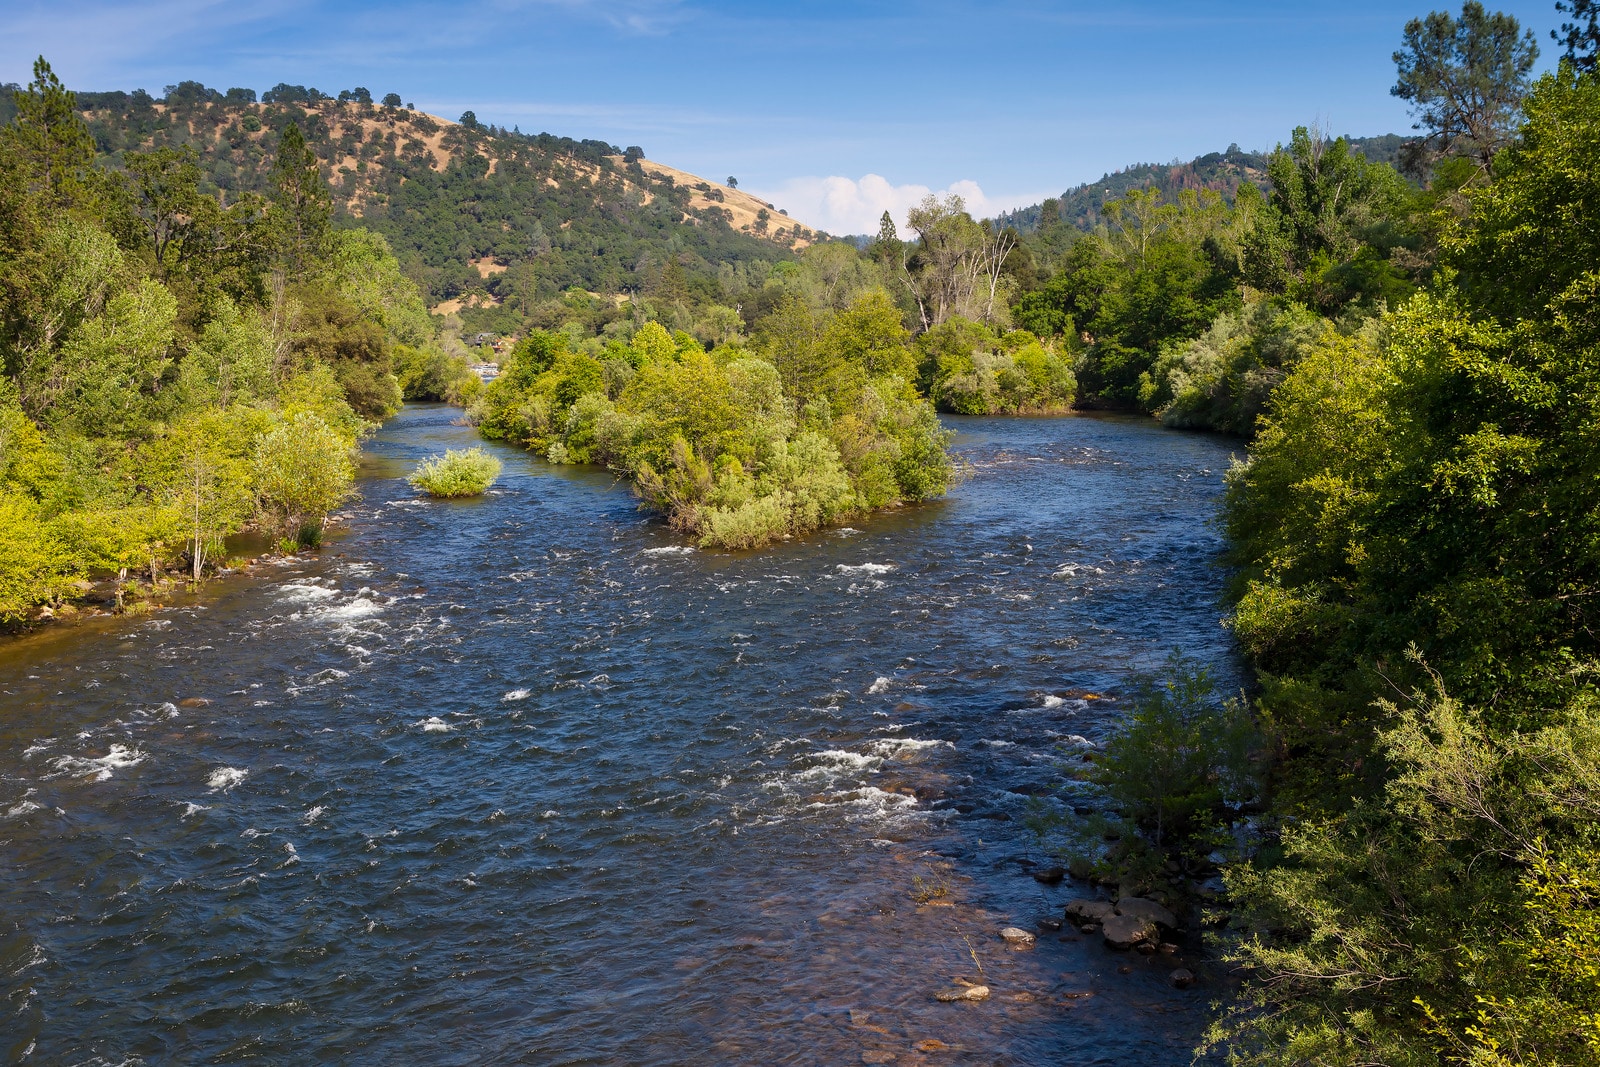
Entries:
{"x":1223,"y":172}
{"x":476,"y":214}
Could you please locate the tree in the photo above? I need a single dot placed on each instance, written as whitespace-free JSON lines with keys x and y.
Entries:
{"x":301,"y":213}
{"x":469,"y":120}
{"x":733,"y":183}
{"x":302,"y":471}
{"x":200,"y":470}
{"x":164,"y":184}
{"x":391,"y":100}
{"x":886,"y":247}
{"x":1465,"y":80}
{"x":1581,"y":35}
{"x":1327,"y":203}
{"x":49,"y":137}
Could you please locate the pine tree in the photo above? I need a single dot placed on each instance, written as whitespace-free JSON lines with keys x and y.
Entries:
{"x":50,"y":137}
{"x":301,"y":211}
{"x":1581,"y":35}
{"x":887,"y":246}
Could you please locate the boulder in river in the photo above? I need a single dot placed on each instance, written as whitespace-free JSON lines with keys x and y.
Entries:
{"x":1090,"y":911}
{"x":1140,"y":908}
{"x":1126,"y":931}
{"x":1182,"y":978}
{"x":1050,"y":875}
{"x":1014,"y":935}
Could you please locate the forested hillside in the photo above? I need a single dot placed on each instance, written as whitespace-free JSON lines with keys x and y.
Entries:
{"x":1083,"y":206}
{"x":472,"y":211}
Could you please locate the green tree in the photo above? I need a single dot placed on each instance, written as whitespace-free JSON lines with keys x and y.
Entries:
{"x":49,"y":137}
{"x":200,"y":468}
{"x":301,"y":470}
{"x":1465,"y":79}
{"x":301,"y":211}
{"x":1324,"y":236}
{"x":1581,"y":36}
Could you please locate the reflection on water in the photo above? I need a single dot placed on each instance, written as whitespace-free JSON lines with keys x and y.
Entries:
{"x":526,"y":780}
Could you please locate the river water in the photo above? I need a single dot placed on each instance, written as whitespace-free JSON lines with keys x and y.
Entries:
{"x":524,"y":780}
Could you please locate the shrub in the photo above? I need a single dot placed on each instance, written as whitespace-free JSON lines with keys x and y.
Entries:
{"x":1181,"y":756}
{"x":459,"y":472}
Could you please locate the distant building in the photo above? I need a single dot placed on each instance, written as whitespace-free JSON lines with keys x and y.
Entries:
{"x":486,"y":371}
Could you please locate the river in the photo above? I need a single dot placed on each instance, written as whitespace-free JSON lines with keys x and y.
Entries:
{"x":524,"y":780}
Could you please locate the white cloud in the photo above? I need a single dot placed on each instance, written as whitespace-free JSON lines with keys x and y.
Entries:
{"x":843,"y":206}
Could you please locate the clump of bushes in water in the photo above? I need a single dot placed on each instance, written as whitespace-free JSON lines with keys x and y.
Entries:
{"x":459,"y":472}
{"x":736,"y":450}
{"x":1177,"y":770}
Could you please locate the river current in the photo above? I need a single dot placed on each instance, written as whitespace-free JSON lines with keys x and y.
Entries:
{"x":525,"y":780}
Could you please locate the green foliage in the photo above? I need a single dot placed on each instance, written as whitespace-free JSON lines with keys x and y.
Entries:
{"x":719,"y":442}
{"x":1327,"y":233}
{"x":1418,"y":516}
{"x":972,"y":370}
{"x":1465,"y":78}
{"x":302,"y":471}
{"x":173,"y":369}
{"x":1181,"y":756}
{"x":459,"y":472}
{"x":1222,"y":379}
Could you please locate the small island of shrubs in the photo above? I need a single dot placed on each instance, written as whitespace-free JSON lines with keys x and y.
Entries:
{"x":457,"y":473}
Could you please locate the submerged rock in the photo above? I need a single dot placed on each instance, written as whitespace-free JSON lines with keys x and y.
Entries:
{"x":971,"y":992}
{"x":1050,"y":875}
{"x":1182,"y":978}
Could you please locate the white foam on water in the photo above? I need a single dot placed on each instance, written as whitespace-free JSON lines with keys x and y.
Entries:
{"x":359,"y":608}
{"x":845,"y":531}
{"x":293,"y":855}
{"x":313,"y":815}
{"x":37,"y":747}
{"x":904,"y":747}
{"x":23,"y":806}
{"x":191,"y":808}
{"x":880,"y":686}
{"x":866,"y":568}
{"x":225,"y":778}
{"x":1053,"y":701}
{"x":992,"y":743}
{"x":435,"y":725}
{"x":102,"y":767}
{"x":305,"y":592}
{"x":516,"y":694}
{"x":669,"y":550}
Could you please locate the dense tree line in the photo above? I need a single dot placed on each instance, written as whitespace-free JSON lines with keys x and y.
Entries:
{"x":1414,"y":536}
{"x":175,"y":364}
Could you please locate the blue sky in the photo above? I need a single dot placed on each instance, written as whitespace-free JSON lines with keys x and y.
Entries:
{"x":832,"y":110}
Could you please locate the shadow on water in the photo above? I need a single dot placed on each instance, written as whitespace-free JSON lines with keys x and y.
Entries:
{"x":528,"y":780}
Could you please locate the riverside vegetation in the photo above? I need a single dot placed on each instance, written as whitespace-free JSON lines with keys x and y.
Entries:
{"x":176,"y":367}
{"x":1404,"y":331}
{"x":1413,"y":536}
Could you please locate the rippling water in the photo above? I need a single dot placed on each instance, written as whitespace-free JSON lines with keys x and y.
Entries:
{"x":525,"y":780}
